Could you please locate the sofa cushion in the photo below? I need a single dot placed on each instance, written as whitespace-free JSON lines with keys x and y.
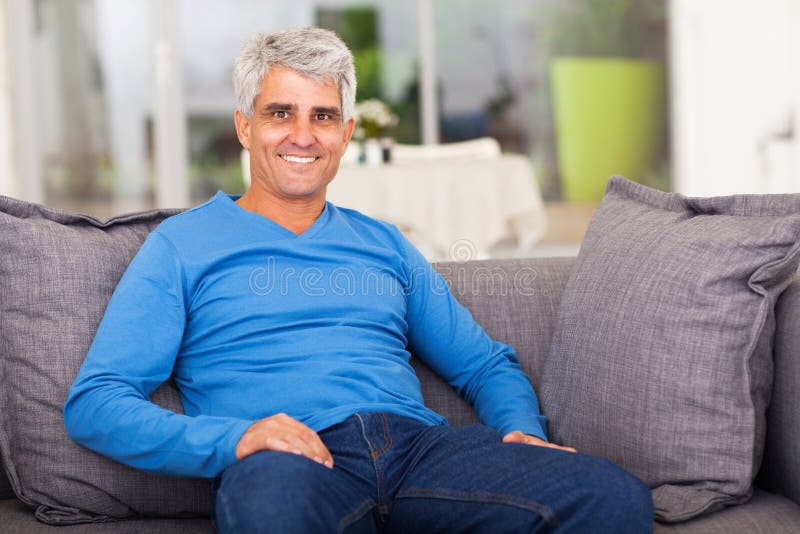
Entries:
{"x":781,"y":470}
{"x":662,"y":356}
{"x":765,"y":512}
{"x":57,"y":272}
{"x":17,"y":519}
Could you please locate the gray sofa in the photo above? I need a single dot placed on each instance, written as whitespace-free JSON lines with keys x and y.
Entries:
{"x":527,"y":322}
{"x":669,"y":345}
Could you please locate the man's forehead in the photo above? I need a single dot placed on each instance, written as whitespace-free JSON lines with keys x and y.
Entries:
{"x":321,"y":80}
{"x":287,"y":101}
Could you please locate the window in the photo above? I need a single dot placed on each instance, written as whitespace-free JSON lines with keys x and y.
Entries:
{"x":94,"y":95}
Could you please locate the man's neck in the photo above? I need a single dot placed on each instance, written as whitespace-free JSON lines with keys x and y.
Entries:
{"x":297,"y":216}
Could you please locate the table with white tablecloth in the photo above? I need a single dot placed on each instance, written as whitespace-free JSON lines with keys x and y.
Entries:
{"x":451,"y":208}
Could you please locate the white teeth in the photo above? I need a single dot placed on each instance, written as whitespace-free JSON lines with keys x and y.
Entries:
{"x":298,"y":159}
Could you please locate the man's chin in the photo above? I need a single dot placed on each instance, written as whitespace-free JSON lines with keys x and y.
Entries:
{"x":301,"y":194}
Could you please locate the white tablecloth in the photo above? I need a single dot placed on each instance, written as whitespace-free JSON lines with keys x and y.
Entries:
{"x":452,"y":209}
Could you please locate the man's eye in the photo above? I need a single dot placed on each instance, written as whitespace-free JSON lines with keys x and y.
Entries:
{"x":322,"y":116}
{"x":280,"y":114}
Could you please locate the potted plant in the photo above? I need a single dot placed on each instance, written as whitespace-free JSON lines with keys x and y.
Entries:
{"x":608,"y":98}
{"x":373,"y":119}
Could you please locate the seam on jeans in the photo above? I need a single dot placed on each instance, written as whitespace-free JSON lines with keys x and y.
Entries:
{"x":387,"y":436}
{"x":364,"y":433}
{"x":387,"y":440}
{"x":378,"y":473}
{"x":355,"y":515}
{"x":483,"y":497}
{"x":229,"y":518}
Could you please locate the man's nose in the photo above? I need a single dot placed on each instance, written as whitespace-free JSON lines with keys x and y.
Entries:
{"x":302,"y":133}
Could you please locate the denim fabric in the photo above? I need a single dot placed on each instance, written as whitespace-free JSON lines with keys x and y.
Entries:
{"x":395,"y":474}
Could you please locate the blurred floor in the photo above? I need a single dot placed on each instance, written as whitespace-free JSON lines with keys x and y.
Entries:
{"x":566,"y":225}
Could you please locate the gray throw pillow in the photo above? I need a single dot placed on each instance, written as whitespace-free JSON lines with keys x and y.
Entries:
{"x":57,"y":272}
{"x":662,"y":356}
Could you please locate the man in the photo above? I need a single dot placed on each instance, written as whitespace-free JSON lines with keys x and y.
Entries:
{"x":286,"y":323}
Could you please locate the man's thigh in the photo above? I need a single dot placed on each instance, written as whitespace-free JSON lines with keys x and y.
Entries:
{"x":471,"y":481}
{"x":281,"y":492}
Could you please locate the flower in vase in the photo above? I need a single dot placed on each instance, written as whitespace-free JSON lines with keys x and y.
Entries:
{"x":373,"y":118}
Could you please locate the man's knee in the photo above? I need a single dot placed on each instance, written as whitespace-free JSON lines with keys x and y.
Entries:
{"x":269,"y":489}
{"x":615,"y":500}
{"x":592,"y":495}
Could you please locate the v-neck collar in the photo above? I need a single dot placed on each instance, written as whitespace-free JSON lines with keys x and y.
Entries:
{"x":229,"y":202}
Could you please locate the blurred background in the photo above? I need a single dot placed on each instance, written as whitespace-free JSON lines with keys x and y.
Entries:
{"x":108,"y":106}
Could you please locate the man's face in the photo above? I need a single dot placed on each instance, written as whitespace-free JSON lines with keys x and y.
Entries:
{"x":296,"y":136}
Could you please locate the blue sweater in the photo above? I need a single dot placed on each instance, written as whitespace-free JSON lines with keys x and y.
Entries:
{"x":251,"y":320}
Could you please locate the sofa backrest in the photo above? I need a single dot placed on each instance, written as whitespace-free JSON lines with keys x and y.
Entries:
{"x":516,"y":302}
{"x":780,"y":468}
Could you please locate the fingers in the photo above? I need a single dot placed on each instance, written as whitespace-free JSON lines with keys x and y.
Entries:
{"x":518,"y":437}
{"x":555,"y":446}
{"x":285,"y":434}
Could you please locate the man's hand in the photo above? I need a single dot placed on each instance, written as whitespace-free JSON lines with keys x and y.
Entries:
{"x":518,"y":437}
{"x":282,"y":433}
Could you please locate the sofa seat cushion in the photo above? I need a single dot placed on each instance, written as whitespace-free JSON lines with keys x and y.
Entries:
{"x":17,"y":518}
{"x":57,"y":272}
{"x":662,"y":356}
{"x":765,"y":512}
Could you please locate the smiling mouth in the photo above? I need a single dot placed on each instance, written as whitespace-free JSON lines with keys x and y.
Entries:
{"x":299,"y":159}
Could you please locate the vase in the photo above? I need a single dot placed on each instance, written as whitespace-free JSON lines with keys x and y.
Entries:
{"x":373,"y":152}
{"x":387,"y":146}
{"x":609,"y":117}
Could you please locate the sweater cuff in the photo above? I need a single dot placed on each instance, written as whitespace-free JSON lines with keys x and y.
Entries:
{"x":534,"y":427}
{"x":228,"y":449}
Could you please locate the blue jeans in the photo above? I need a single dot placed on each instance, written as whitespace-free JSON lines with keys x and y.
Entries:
{"x":395,"y":474}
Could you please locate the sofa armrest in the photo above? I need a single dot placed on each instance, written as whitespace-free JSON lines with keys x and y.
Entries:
{"x":780,"y":468}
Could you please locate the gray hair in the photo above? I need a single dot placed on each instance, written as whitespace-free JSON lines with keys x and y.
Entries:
{"x":313,"y":52}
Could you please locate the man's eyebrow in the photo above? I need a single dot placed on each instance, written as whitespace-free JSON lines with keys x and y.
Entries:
{"x":334,"y":111}
{"x":278,"y":106}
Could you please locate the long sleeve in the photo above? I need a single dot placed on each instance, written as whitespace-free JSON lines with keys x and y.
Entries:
{"x":485,"y":372}
{"x":108,"y":408}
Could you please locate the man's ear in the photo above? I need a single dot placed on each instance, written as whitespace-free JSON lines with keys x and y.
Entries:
{"x":242,"y":128}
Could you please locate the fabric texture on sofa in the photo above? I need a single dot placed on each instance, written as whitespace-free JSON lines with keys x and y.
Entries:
{"x":17,"y":519}
{"x":516,"y":301}
{"x":765,"y":512}
{"x":57,"y":272}
{"x":662,"y":356}
{"x":780,"y":471}
{"x":6,"y":491}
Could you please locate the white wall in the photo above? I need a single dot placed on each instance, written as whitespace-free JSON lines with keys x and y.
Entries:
{"x":7,"y":185}
{"x":23,"y":96}
{"x":206,"y":49}
{"x":735,"y":98}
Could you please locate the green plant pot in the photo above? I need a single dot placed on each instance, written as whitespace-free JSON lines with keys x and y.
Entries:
{"x":609,"y":118}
